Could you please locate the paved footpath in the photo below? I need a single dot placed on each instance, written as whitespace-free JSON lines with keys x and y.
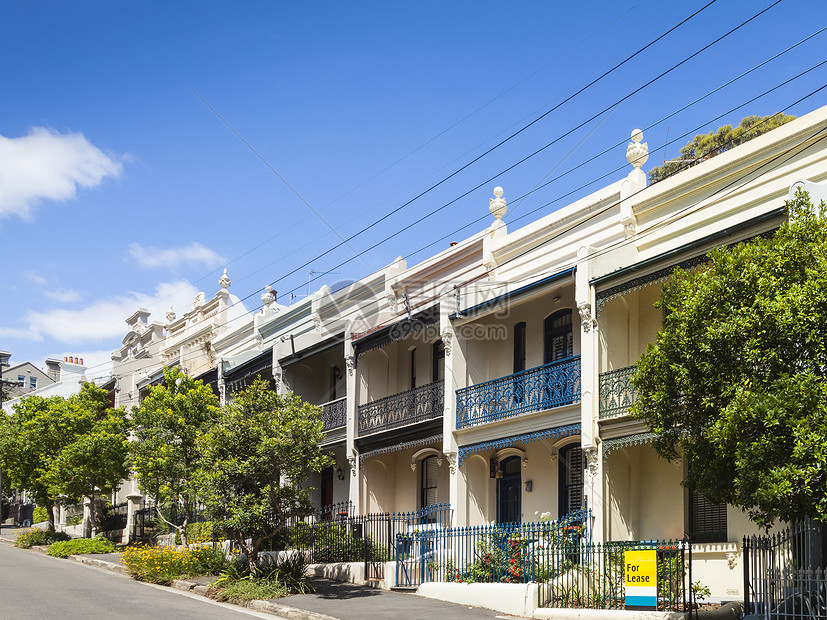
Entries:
{"x":332,"y":600}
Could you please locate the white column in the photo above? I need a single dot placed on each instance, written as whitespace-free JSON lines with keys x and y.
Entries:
{"x":351,"y":424}
{"x":589,"y":440}
{"x":454,"y":379}
{"x":135,"y":501}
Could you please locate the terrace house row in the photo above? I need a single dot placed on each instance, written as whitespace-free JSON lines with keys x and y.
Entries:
{"x":495,"y":375}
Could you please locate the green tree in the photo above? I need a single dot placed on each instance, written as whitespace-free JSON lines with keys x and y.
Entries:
{"x":255,"y":457}
{"x":95,"y":460}
{"x":164,"y":454}
{"x":738,"y":375}
{"x":31,"y":438}
{"x":707,"y":145}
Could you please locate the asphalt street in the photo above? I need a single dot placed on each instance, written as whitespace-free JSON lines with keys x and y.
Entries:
{"x":36,"y":586}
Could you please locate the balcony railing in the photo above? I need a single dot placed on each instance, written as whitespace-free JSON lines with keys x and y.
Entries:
{"x":545,"y":387}
{"x":417,"y":405}
{"x":334,"y":414}
{"x":616,"y":392}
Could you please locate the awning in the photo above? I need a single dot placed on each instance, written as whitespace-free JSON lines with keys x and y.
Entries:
{"x":320,"y":347}
{"x":399,"y":447}
{"x":506,"y":297}
{"x":670,"y":258}
{"x":244,"y":374}
{"x":399,"y":330}
{"x":638,"y":439}
{"x":505,"y":442}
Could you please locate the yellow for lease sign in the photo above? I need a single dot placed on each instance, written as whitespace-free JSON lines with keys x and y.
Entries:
{"x":640,"y":570}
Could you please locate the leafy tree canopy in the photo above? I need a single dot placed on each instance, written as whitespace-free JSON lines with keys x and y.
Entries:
{"x":738,"y":375}
{"x":95,"y":460}
{"x":164,"y":454}
{"x":255,"y":458}
{"x":31,"y":437}
{"x":707,"y":145}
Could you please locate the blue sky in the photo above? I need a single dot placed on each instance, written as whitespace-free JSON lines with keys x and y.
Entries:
{"x":121,"y":186}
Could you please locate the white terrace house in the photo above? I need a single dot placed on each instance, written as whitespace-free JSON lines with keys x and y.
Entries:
{"x":518,"y":375}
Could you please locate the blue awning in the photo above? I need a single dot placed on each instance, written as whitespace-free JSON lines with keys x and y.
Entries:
{"x":505,"y":442}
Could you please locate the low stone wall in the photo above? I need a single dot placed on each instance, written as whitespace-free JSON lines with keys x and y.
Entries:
{"x":517,"y":599}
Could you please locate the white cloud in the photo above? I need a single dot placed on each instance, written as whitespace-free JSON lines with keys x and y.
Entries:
{"x":102,"y":319}
{"x":63,"y":295}
{"x":193,"y":254}
{"x":36,"y":278}
{"x":47,"y":165}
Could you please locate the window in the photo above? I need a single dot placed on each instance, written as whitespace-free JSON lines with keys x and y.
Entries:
{"x":557,"y":337}
{"x":32,"y":383}
{"x":519,"y":347}
{"x":413,"y":368}
{"x":428,"y":482}
{"x":439,"y":361}
{"x":21,"y":381}
{"x":570,"y":479}
{"x":707,"y":521}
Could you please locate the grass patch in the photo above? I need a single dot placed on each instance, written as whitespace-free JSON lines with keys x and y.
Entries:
{"x":162,"y":565}
{"x":34,"y":538}
{"x":78,"y":546}
{"x":245,"y":589}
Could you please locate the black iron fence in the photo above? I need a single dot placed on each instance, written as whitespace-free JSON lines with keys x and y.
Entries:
{"x":784,"y":573}
{"x":333,"y":534}
{"x":496,"y":553}
{"x":148,"y":524}
{"x":423,"y":403}
{"x":112,"y":517}
{"x":593,"y":575}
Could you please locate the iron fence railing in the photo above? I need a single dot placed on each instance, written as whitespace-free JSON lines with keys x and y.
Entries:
{"x":334,"y":414}
{"x":507,"y":553}
{"x":417,"y":405}
{"x":593,"y":575}
{"x":112,"y":517}
{"x":545,"y":387}
{"x":784,"y":573}
{"x":616,"y":392}
{"x":333,"y":534}
{"x":147,"y":523}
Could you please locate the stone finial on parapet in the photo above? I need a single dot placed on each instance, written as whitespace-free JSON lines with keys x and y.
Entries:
{"x":637,"y":152}
{"x":497,"y":205}
{"x":224,"y":281}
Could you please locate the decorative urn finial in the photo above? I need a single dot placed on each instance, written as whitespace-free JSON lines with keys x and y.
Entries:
{"x":268,"y":297}
{"x":170,"y":314}
{"x":497,"y":205}
{"x":637,"y":152}
{"x":224,"y":281}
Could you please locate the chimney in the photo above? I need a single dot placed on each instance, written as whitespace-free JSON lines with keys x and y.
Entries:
{"x":53,"y":369}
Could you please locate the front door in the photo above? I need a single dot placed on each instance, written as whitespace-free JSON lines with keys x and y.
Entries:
{"x":509,"y":491}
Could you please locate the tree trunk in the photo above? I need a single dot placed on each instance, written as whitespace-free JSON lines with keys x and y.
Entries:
{"x":50,"y":510}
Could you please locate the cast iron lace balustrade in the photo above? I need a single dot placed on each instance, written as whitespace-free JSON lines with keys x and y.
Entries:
{"x":616,"y":392}
{"x":537,"y":389}
{"x":334,"y":414}
{"x":416,"y":405}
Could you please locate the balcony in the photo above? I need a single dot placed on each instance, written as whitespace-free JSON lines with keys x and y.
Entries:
{"x":417,"y":405}
{"x":616,"y":392}
{"x":545,"y":387}
{"x":334,"y":414}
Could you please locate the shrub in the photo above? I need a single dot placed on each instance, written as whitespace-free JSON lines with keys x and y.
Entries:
{"x":329,"y":542}
{"x":198,"y":533}
{"x":164,"y":564}
{"x":78,"y":546}
{"x":40,"y":514}
{"x":33,"y":538}
{"x":288,"y":571}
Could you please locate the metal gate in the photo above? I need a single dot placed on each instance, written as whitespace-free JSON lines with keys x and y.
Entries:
{"x":415,"y":535}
